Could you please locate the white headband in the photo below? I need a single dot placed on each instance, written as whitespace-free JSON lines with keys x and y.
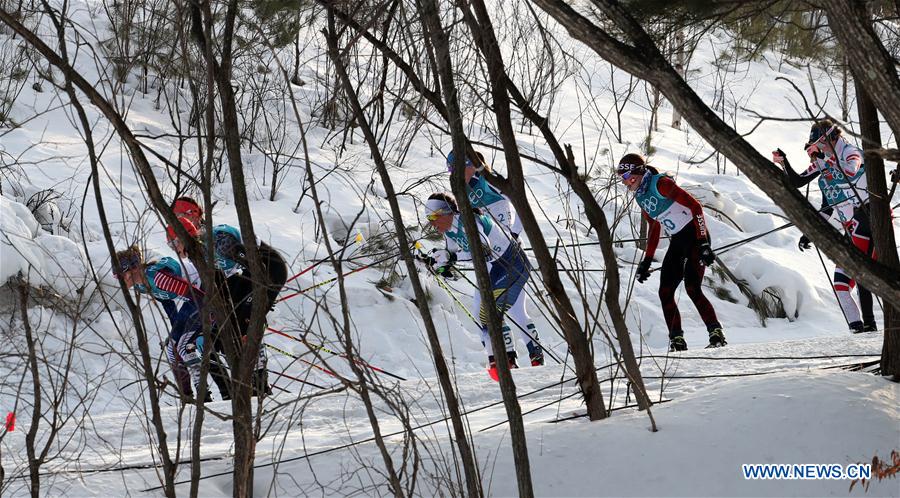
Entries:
{"x":435,"y":205}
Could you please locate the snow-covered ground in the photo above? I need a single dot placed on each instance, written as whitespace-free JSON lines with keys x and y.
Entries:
{"x":724,"y":412}
{"x":795,"y":411}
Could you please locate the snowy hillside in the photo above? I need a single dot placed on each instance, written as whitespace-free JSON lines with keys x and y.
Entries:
{"x":781,"y":392}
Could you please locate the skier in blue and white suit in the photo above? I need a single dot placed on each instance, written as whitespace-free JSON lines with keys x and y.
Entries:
{"x":493,"y":203}
{"x":169,"y":282}
{"x":509,"y":269}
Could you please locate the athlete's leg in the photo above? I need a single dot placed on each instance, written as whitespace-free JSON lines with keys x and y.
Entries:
{"x":693,"y":285}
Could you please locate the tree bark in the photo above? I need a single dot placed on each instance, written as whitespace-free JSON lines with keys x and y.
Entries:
{"x":34,"y":464}
{"x":431,"y":22}
{"x":873,"y":66}
{"x":470,"y":468}
{"x":678,"y":48}
{"x":882,"y":227}
{"x":242,"y":372}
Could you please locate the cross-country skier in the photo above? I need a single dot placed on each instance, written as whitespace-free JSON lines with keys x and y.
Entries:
{"x":491,"y":202}
{"x":509,"y":269}
{"x":842,"y":180}
{"x":663,"y":203}
{"x":216,"y":366}
{"x":166,"y":280}
{"x":231,"y":259}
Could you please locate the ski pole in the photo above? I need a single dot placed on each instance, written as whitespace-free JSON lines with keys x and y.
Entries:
{"x":282,"y":374}
{"x":593,"y":243}
{"x":728,"y":247}
{"x":323,"y":348}
{"x":332,"y":279}
{"x":562,"y":268}
{"x":358,"y":240}
{"x":521,"y":329}
{"x":291,"y":355}
{"x":833,"y":290}
{"x":452,"y":294}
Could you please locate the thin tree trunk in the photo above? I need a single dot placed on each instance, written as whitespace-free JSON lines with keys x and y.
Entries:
{"x":576,"y":338}
{"x":241,"y":402}
{"x":428,"y":10}
{"x":473,"y":482}
{"x":362,"y":388}
{"x":882,"y":226}
{"x":873,"y":66}
{"x":34,"y":464}
{"x":678,"y":48}
{"x":598,"y":221}
{"x":845,"y":94}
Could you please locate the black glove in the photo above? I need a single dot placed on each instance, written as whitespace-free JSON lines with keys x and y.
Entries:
{"x":440,"y":261}
{"x":643,"y":270}
{"x":707,"y":256}
{"x":804,"y":243}
{"x":895,"y":175}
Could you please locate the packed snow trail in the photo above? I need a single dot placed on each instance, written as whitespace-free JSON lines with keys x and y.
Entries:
{"x":697,"y":386}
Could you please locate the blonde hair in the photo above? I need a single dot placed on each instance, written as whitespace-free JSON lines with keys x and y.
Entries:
{"x":131,"y":257}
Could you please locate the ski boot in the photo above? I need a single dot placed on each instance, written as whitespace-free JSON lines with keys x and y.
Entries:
{"x":492,"y":369}
{"x":492,"y":365}
{"x":857,"y":327}
{"x":189,"y":397}
{"x":870,"y":327}
{"x":535,"y":354}
{"x":677,"y":343}
{"x":716,"y":338}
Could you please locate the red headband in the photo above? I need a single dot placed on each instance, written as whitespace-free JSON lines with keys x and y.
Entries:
{"x":186,"y":207}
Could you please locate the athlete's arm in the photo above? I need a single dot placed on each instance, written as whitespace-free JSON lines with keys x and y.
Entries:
{"x":165,"y":281}
{"x":652,"y":236}
{"x":852,"y":160}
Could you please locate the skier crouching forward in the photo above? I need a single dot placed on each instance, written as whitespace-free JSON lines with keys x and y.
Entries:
{"x":166,"y":280}
{"x":231,"y":260}
{"x":663,"y":203}
{"x":509,"y":268}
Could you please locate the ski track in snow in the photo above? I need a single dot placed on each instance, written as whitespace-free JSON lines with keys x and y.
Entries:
{"x":789,"y":388}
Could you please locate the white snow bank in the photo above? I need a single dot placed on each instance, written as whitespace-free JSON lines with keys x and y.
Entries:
{"x":815,"y":417}
{"x":46,"y":260}
{"x":761,"y":273}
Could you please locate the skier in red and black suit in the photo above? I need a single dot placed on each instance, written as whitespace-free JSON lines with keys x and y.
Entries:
{"x":666,"y":205}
